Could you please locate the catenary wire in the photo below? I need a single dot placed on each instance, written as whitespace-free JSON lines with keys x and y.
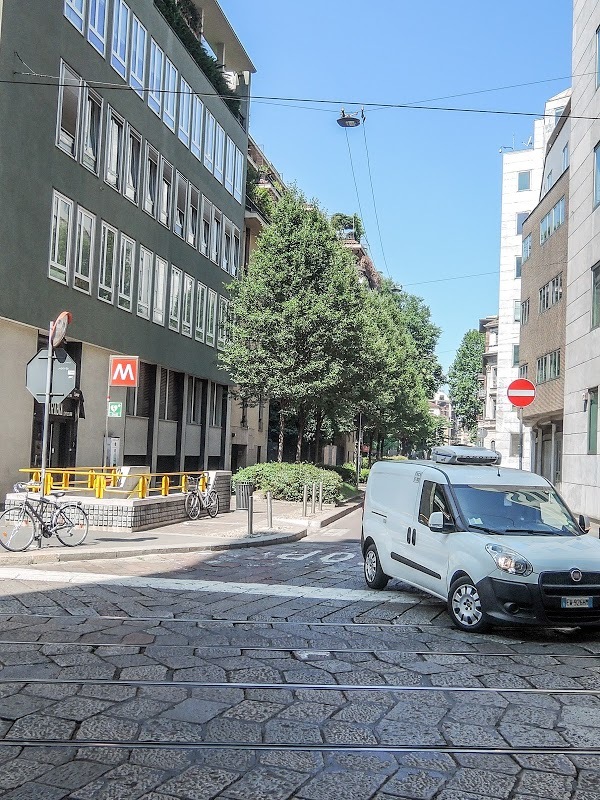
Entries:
{"x":364,"y":127}
{"x":356,"y":185}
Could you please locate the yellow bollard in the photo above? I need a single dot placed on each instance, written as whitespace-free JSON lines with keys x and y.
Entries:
{"x":164,"y":485}
{"x":203,"y":480}
{"x":184,"y":481}
{"x":65,"y":480}
{"x":100,"y":486}
{"x":48,"y":482}
{"x":142,"y":487}
{"x":36,"y":477}
{"x":91,"y":479}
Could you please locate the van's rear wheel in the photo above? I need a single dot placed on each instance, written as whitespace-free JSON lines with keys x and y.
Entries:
{"x":464,"y":606}
{"x":375,"y":577}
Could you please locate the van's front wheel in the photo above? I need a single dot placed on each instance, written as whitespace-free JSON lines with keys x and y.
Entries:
{"x":375,"y":577}
{"x":464,"y":606}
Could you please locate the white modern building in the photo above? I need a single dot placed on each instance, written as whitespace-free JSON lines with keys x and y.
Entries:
{"x":581,"y":462}
{"x":521,"y":183}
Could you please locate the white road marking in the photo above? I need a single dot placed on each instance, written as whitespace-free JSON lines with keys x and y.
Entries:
{"x":334,"y":531}
{"x":182,"y":585}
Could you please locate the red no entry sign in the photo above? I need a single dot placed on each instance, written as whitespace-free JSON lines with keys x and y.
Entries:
{"x":521,"y":392}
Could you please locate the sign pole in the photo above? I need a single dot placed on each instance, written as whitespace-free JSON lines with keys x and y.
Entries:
{"x":520,"y":438}
{"x":105,"y":450}
{"x":48,"y":394}
{"x":358,"y":447}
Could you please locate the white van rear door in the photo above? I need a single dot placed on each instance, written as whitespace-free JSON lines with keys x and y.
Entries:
{"x":430,"y":548}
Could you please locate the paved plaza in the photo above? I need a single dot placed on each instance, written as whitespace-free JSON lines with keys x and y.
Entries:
{"x":274,"y":673}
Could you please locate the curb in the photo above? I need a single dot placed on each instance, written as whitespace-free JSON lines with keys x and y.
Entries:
{"x":335,"y":515}
{"x":48,"y":557}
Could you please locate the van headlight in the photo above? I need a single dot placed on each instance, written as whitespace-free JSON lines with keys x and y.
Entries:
{"x":508,"y":560}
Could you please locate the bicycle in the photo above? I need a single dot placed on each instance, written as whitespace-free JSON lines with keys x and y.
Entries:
{"x":197,"y":499}
{"x":21,"y":524}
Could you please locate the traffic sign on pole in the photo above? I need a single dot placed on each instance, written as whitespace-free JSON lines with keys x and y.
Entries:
{"x":521,"y":392}
{"x":64,"y":372}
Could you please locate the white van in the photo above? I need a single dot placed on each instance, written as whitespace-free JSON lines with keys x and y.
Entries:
{"x":499,"y":545}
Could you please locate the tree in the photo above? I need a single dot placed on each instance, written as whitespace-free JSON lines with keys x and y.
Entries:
{"x":462,"y":379}
{"x":348,"y":222}
{"x":298,"y":316}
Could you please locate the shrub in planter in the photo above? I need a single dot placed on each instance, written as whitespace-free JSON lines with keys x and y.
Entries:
{"x":364,"y":475}
{"x":286,"y":481}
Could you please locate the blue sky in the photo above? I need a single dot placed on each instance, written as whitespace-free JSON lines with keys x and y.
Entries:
{"x":436,"y":175}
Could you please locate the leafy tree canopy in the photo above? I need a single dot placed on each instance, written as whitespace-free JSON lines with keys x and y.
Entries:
{"x":462,"y":378}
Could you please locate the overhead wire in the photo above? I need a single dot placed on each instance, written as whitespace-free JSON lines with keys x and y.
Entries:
{"x":364,"y":127}
{"x":356,"y":185}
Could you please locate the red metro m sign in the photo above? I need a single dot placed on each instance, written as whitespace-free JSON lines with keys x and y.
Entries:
{"x":124,"y":371}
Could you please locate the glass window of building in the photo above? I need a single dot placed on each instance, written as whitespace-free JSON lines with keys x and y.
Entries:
{"x":108,"y":260}
{"x":137,"y":71}
{"x":84,"y":250}
{"x":596,"y":296}
{"x":518,"y":265}
{"x":60,"y":237}
{"x":114,"y":150}
{"x":155,"y":77}
{"x":132,"y":172}
{"x":151,"y":180}
{"x":92,"y":122}
{"x":524,"y":181}
{"x":69,"y":107}
{"x":197,"y":116}
{"x":175,"y":299}
{"x":97,"y":25}
{"x":160,"y":291}
{"x":185,"y":110}
{"x":169,"y":95}
{"x":144,"y":282}
{"x":211,"y":318}
{"x":200,"y":311}
{"x":592,"y":427}
{"x":126,"y":261}
{"x":73,"y":11}
{"x":521,"y":217}
{"x":187,"y":308}
{"x":120,"y":43}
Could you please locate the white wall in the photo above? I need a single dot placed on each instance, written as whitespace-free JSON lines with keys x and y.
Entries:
{"x":581,"y":472}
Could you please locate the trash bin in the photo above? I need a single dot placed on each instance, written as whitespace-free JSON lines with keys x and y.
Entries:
{"x":243,"y":490}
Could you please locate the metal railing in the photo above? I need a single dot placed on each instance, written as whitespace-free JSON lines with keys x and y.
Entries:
{"x":99,"y":480}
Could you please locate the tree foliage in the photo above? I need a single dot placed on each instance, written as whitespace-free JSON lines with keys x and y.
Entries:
{"x":462,"y":378}
{"x":343,"y":223}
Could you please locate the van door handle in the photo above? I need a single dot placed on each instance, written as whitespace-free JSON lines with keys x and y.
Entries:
{"x":414,"y":536}
{"x":408,"y":532}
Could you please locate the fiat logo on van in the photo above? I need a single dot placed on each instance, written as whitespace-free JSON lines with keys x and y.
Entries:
{"x":576,"y":575}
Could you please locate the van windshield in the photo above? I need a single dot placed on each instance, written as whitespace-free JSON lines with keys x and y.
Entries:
{"x":518,"y":510}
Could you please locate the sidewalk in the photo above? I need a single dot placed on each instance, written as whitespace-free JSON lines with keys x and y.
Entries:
{"x":227,"y":531}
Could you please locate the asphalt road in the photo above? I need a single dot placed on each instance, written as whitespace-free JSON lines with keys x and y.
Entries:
{"x":275,"y":673}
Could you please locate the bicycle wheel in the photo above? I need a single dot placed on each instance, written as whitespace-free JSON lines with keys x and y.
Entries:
{"x":17,"y":528}
{"x":70,"y":524}
{"x":212,"y":503}
{"x":192,"y":505}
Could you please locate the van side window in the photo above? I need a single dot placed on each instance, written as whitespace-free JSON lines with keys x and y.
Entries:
{"x":433,"y":499}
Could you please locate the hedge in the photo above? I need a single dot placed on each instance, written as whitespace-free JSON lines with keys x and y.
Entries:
{"x":346,"y":471}
{"x":286,"y":481}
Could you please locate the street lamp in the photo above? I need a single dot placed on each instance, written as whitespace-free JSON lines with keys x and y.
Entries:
{"x":348,"y":120}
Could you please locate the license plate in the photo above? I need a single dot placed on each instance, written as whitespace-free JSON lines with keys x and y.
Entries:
{"x":577,"y":602}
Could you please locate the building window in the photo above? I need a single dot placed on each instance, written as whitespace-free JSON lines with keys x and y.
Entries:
{"x":515,"y":359}
{"x":211,"y":318}
{"x":92,"y":120}
{"x":200,"y":311}
{"x":137,"y":74}
{"x":160,"y":291}
{"x":108,"y":258}
{"x":261,"y":413}
{"x":552,"y":221}
{"x":523,"y":371}
{"x":565,"y":156}
{"x":524,"y":181}
{"x":526,"y":252}
{"x":68,"y":111}
{"x":170,"y":401}
{"x":185,"y":107}
{"x":236,"y":252}
{"x":597,"y":64}
{"x":548,"y":367}
{"x":549,"y":181}
{"x":197,"y":114}
{"x":140,"y":400}
{"x":494,"y":378}
{"x":217,"y":233}
{"x":239,"y":175}
{"x":517,"y":311}
{"x":166,"y":190}
{"x":596,"y":296}
{"x":194,"y":400}
{"x":596,"y":175}
{"x":120,"y":44}
{"x":132,"y":173}
{"x":222,"y":326}
{"x":592,"y":444}
{"x":219,"y":153}
{"x":209,"y":141}
{"x":155,"y":79}
{"x":216,"y":405}
{"x":518,"y":264}
{"x":114,"y":150}
{"x":151,"y":180}
{"x":521,"y":217}
{"x":244,"y":415}
{"x":193,"y":216}
{"x":230,"y":165}
{"x":144,"y":281}
{"x":227,"y":263}
{"x":84,"y":250}
{"x":126,"y":261}
{"x":169,"y":95}
{"x":60,"y":237}
{"x":524,"y":312}
{"x":97,"y":25}
{"x":206,"y":226}
{"x":73,"y":11}
{"x":551,"y":293}
{"x":187,"y":310}
{"x":181,"y":192}
{"x":175,"y":299}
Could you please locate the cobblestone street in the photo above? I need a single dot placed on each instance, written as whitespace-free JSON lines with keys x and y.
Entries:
{"x":274,"y":673}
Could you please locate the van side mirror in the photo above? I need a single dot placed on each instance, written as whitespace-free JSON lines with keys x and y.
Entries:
{"x":584,"y":522}
{"x":436,"y":521}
